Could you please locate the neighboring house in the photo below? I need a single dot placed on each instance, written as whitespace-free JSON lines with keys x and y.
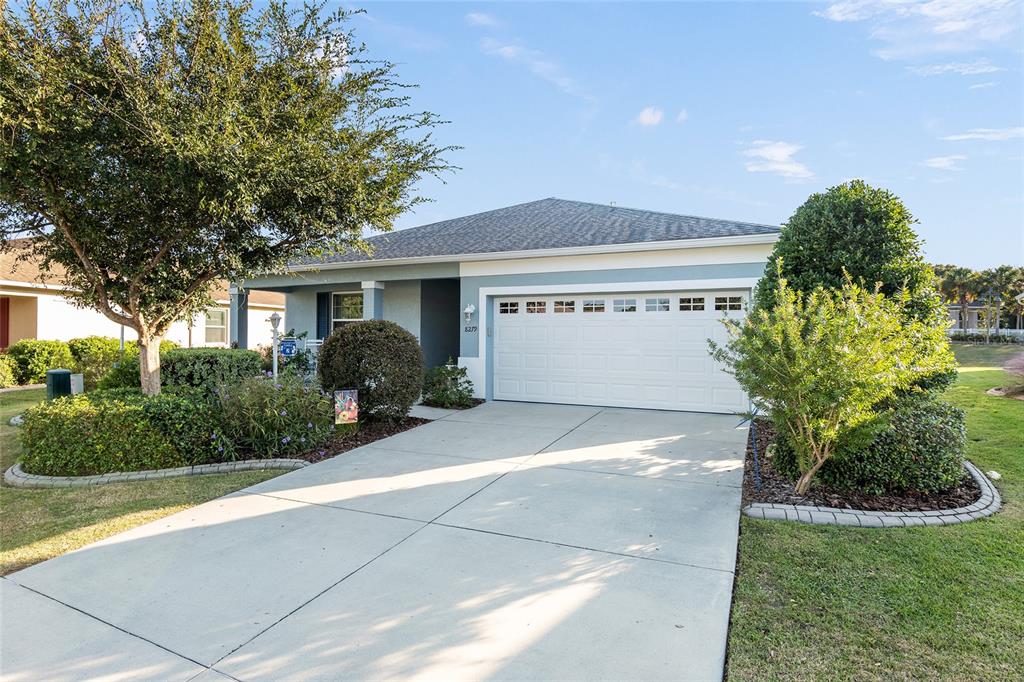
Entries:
{"x":552,"y":300}
{"x":975,"y":314}
{"x":33,"y":306}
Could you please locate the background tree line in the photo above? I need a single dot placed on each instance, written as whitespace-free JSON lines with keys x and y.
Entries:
{"x":962,"y":286}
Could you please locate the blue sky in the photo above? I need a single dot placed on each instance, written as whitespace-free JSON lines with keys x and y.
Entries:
{"x":730,"y":110}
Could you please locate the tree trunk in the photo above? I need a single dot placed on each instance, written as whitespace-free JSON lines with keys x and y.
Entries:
{"x":803,"y":484}
{"x":964,"y":314}
{"x":149,"y":364}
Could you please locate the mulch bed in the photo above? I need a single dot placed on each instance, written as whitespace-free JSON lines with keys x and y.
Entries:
{"x":780,"y":490}
{"x":476,"y":401}
{"x":366,"y":434}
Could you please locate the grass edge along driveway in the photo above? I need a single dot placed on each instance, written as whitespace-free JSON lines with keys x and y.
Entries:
{"x":39,"y":524}
{"x":825,"y":603}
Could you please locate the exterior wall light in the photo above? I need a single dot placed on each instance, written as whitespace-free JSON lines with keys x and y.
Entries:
{"x":468,"y":312}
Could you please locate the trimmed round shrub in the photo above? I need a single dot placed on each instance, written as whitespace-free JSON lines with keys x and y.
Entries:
{"x":265,"y":418}
{"x":34,"y":357}
{"x":121,"y":430}
{"x":8,"y":371}
{"x":918,"y":446}
{"x":208,"y":368}
{"x":380,"y":359}
{"x":448,"y":386}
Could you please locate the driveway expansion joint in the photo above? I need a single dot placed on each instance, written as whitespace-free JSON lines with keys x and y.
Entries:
{"x":987,"y":504}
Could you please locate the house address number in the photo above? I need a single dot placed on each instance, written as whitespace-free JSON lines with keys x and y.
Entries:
{"x":470,"y":329}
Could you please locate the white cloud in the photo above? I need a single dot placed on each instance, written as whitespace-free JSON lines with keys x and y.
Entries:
{"x":776,"y":157}
{"x":947,"y":163}
{"x":649,"y":116}
{"x":912,"y":28}
{"x":481,"y":19}
{"x":974,"y":68}
{"x":983,"y":86}
{"x":988,"y":134}
{"x":682,"y":116}
{"x":538,"y":64}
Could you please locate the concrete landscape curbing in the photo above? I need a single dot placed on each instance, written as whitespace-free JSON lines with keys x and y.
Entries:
{"x":988,"y":504}
{"x":18,"y":478}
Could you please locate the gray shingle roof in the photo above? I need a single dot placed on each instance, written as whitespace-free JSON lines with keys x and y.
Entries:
{"x":544,"y":224}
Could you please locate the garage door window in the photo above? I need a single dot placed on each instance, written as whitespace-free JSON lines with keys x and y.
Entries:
{"x":565,"y":306}
{"x":624,"y":305}
{"x":657,"y":305}
{"x":536,"y":306}
{"x":593,"y":306}
{"x":687,"y":304}
{"x":508,"y":307}
{"x":728,"y":302}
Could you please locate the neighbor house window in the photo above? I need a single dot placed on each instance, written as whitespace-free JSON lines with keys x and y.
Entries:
{"x":624,"y":305}
{"x":691,"y":303}
{"x":728,"y":302}
{"x":216,"y":326}
{"x":508,"y":307}
{"x":657,"y":305}
{"x":565,"y":306}
{"x":536,"y":306}
{"x":593,"y":306}
{"x":345,"y":309}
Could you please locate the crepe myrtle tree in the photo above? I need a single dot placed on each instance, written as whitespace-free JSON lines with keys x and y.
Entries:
{"x":150,"y":149}
{"x":821,"y":364}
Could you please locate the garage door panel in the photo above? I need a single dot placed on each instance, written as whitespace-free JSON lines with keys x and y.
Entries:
{"x":650,"y":357}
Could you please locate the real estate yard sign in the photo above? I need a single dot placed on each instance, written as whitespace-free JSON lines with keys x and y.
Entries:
{"x":346,"y":406}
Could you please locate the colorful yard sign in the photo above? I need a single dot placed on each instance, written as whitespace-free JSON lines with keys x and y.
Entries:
{"x":346,"y":406}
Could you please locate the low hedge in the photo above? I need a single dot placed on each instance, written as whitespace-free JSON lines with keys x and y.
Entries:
{"x":33,"y":357}
{"x":920,"y":447}
{"x":203,"y":368}
{"x":121,"y":430}
{"x":8,"y":371}
{"x":208,"y":368}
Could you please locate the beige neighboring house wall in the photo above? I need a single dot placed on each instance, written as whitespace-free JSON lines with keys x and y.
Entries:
{"x":34,"y":307}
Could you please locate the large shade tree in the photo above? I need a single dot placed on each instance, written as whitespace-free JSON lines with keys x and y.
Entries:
{"x":149,"y":150}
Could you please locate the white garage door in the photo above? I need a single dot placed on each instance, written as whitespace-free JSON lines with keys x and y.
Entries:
{"x":626,"y":350}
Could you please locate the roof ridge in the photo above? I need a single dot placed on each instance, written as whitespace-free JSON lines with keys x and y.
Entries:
{"x":678,"y":215}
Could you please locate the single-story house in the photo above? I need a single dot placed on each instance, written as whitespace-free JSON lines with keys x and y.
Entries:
{"x":550,"y":301}
{"x":33,"y":306}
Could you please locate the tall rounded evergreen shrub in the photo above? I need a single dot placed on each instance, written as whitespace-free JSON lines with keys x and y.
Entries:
{"x":868,"y":233}
{"x":380,"y":359}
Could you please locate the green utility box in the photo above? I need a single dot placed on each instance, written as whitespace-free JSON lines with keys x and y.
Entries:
{"x":58,"y":383}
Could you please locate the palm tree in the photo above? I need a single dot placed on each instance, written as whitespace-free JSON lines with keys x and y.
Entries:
{"x":1006,"y":282}
{"x":962,"y":286}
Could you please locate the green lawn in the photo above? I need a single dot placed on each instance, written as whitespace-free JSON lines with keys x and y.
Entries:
{"x":823,"y":603}
{"x":36,"y":525}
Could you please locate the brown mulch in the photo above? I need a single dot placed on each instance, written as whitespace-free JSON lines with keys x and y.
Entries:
{"x":778,"y":489}
{"x":366,"y":434}
{"x":476,"y":401}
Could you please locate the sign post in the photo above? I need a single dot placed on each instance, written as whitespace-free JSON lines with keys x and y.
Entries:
{"x":275,"y":320}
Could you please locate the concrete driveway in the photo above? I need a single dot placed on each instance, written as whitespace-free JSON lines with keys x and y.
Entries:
{"x":510,"y":541}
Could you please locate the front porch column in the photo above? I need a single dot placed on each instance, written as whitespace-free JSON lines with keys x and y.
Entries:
{"x":238,"y":317}
{"x":373,"y":300}
{"x":972,"y":319}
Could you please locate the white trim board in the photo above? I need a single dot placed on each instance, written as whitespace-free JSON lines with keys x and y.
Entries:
{"x":712,"y":255}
